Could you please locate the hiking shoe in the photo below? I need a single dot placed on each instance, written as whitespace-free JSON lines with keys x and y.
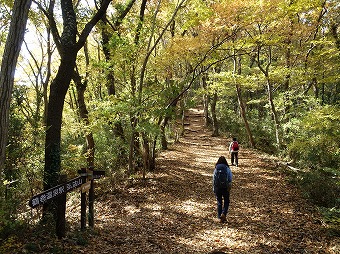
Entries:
{"x":223,"y":217}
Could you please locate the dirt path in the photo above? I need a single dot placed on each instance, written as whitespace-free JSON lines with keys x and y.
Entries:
{"x":175,"y":211}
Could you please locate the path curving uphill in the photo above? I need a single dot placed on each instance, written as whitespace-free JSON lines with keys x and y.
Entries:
{"x":175,"y":211}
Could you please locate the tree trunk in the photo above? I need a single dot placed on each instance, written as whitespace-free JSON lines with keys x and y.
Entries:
{"x":68,"y":49}
{"x":215,"y":131}
{"x":334,"y":31}
{"x":48,"y":74}
{"x":133,"y":146}
{"x":9,"y":61}
{"x":238,"y":70}
{"x":58,"y":92}
{"x":265,"y":71}
{"x":146,"y":155}
{"x":244,"y":116}
{"x":83,"y":113}
{"x":206,"y":101}
{"x":274,"y":113}
{"x":164,"y":142}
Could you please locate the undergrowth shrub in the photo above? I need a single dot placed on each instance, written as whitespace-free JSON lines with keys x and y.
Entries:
{"x":321,"y":188}
{"x":10,"y":226}
{"x":317,"y":147}
{"x":317,"y":139}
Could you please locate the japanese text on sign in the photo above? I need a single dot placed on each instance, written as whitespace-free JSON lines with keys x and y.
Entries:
{"x":54,"y":192}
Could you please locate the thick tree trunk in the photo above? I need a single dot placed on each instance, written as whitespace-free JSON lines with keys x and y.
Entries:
{"x":9,"y":61}
{"x":55,"y":107}
{"x":68,"y":49}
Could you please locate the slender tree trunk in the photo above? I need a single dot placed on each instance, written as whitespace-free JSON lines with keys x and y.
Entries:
{"x":238,"y":70}
{"x":83,"y":113}
{"x":146,"y":154}
{"x":48,"y":74}
{"x":182,"y":117}
{"x":164,"y":142}
{"x":244,"y":116}
{"x":206,"y":101}
{"x":288,"y":56}
{"x":215,"y":132}
{"x":274,"y":113}
{"x":9,"y":61}
{"x":265,"y":71}
{"x":133,"y":146}
{"x":134,"y":140}
{"x":334,"y":31}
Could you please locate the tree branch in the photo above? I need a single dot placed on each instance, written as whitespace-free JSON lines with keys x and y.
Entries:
{"x":88,"y":27}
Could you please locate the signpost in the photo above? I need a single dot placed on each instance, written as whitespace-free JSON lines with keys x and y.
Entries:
{"x":85,"y":182}
{"x":86,"y":186}
{"x":55,"y":192}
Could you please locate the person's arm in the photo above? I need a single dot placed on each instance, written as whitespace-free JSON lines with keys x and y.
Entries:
{"x":213,"y":181}
{"x":230,"y":175}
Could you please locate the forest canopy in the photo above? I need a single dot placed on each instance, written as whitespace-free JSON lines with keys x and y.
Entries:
{"x":106,"y":84}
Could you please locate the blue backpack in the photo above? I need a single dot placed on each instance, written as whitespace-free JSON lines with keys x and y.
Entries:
{"x":221,"y":178}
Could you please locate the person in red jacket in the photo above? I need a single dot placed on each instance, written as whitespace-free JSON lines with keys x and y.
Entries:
{"x":233,"y":149}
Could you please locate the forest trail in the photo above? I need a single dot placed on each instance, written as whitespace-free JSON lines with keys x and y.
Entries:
{"x":175,"y":212}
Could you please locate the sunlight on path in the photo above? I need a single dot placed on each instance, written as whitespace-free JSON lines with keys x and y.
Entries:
{"x":174,"y":212}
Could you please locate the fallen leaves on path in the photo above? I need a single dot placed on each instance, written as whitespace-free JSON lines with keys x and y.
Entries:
{"x":173,"y":210}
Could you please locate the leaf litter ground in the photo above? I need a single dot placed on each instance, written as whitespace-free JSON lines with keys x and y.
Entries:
{"x":174,"y":210}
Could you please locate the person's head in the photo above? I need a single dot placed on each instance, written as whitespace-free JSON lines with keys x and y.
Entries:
{"x":222,"y":160}
{"x":234,"y":139}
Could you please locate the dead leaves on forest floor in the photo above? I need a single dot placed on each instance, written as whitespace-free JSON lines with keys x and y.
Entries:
{"x":174,"y":210}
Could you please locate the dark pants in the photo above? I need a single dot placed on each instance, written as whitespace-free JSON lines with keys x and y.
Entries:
{"x":234,"y":157}
{"x":222,"y":195}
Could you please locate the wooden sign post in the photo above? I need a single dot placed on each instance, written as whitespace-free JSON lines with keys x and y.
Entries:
{"x":55,"y":192}
{"x":85,"y":183}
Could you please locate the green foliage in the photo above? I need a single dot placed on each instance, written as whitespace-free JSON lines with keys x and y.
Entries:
{"x":73,"y":144}
{"x":15,"y":145}
{"x":310,"y":132}
{"x":9,"y":224}
{"x":317,"y":139}
{"x":322,"y":188}
{"x":230,"y":123}
{"x":263,"y":134}
{"x":316,"y":146}
{"x":10,"y":245}
{"x":332,"y":218}
{"x":81,"y":238}
{"x":32,"y":247}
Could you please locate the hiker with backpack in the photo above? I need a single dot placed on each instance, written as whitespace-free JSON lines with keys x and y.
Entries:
{"x":233,"y":149}
{"x":222,"y":179}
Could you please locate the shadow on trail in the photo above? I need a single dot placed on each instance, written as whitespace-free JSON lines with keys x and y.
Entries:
{"x":175,"y":211}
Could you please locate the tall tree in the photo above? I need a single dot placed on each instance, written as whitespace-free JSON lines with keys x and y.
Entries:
{"x":237,"y":70}
{"x":68,"y":49}
{"x":9,"y":60}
